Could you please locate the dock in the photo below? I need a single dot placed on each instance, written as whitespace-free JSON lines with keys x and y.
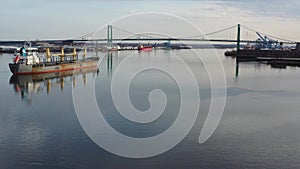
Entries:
{"x":276,"y":58}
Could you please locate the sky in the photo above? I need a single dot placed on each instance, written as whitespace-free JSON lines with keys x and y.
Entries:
{"x":60,"y":19}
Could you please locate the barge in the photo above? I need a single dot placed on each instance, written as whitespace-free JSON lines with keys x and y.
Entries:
{"x":245,"y":54}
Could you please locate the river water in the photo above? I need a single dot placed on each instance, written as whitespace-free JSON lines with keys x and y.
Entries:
{"x":40,"y":126}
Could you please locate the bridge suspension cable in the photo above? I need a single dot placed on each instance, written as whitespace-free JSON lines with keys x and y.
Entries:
{"x":247,"y":35}
{"x":270,"y":36}
{"x":86,"y":36}
{"x":127,"y":33}
{"x":186,"y":37}
{"x":211,"y":33}
{"x":131,"y":34}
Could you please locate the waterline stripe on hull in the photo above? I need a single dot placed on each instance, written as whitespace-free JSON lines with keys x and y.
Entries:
{"x":53,"y":71}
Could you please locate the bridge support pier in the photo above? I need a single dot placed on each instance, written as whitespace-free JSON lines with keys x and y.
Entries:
{"x":237,"y":50}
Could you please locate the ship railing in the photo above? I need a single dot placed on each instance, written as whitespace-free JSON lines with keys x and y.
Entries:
{"x":57,"y":60}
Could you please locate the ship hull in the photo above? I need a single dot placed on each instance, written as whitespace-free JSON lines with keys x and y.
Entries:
{"x":23,"y":69}
{"x":145,"y":48}
{"x":16,"y":79}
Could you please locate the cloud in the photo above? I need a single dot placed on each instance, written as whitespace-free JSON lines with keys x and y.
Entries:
{"x":277,"y":16}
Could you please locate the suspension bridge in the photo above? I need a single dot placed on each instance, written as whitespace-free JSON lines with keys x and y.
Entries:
{"x":233,"y":34}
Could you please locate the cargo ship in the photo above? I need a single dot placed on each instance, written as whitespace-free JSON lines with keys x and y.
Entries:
{"x":28,"y":62}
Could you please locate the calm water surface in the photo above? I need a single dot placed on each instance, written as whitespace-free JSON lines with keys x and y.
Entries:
{"x":259,"y":128}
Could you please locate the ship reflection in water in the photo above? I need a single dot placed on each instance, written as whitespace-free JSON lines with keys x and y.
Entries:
{"x":28,"y":85}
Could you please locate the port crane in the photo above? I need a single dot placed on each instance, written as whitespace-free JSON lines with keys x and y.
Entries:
{"x":264,"y":42}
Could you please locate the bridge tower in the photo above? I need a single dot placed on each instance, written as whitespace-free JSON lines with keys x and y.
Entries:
{"x":238,"y":37}
{"x":109,"y":36}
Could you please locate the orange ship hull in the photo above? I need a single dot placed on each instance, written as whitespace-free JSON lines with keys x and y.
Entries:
{"x":52,"y":67}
